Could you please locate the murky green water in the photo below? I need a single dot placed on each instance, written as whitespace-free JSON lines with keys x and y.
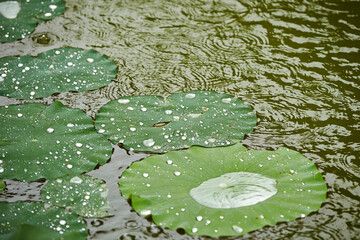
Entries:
{"x":296,"y":62}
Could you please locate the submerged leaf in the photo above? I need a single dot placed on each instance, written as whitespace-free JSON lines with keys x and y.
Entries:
{"x":2,"y":186}
{"x":223,"y":191}
{"x":23,"y":220}
{"x":39,"y":141}
{"x":54,"y":71}
{"x":19,"y":18}
{"x":151,"y":123}
{"x":81,"y":194}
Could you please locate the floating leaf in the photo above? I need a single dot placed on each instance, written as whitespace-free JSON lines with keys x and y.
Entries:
{"x":39,"y":141}
{"x":223,"y":191}
{"x":81,"y":194}
{"x":57,"y":70}
{"x":19,"y":18}
{"x":23,"y":220}
{"x":151,"y":123}
{"x":2,"y":186}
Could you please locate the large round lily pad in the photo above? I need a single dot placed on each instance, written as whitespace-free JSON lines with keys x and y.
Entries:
{"x":39,"y":141}
{"x":151,"y":123}
{"x":81,"y":194}
{"x":54,"y":71}
{"x":223,"y":191}
{"x":25,"y":221}
{"x":19,"y":18}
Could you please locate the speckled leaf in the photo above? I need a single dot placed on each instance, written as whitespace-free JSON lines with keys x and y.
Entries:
{"x":23,"y":220}
{"x":81,"y":194}
{"x":19,"y":18}
{"x":39,"y":141}
{"x":223,"y":191}
{"x":54,"y":71}
{"x":151,"y":123}
{"x":2,"y":186}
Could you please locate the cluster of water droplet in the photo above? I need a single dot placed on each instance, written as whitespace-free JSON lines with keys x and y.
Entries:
{"x":180,"y":121}
{"x":58,"y":70}
{"x":81,"y":194}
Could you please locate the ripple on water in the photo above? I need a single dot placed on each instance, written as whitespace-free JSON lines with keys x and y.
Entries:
{"x":44,"y":38}
{"x":234,"y":40}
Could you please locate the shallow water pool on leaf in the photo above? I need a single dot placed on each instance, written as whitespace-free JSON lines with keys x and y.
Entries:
{"x":225,"y":191}
{"x":232,"y":190}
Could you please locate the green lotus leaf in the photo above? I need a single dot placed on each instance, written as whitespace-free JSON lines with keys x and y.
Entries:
{"x":2,"y":186}
{"x":19,"y":18}
{"x":223,"y":191}
{"x":54,"y":71}
{"x":83,"y":194}
{"x":23,"y":220}
{"x":153,"y":124}
{"x":39,"y":141}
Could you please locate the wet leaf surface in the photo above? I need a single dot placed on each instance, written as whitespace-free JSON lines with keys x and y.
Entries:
{"x":223,"y":191}
{"x":153,"y":124}
{"x":81,"y":194}
{"x":41,"y":141}
{"x":23,"y":220}
{"x":54,"y":71}
{"x":19,"y":18}
{"x":2,"y":186}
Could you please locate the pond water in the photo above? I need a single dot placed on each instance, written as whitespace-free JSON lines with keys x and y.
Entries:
{"x":295,"y":62}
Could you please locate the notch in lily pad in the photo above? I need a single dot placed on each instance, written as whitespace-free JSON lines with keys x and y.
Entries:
{"x":55,"y":71}
{"x":153,"y":124}
{"x":225,"y":191}
{"x":19,"y":18}
{"x":24,"y":220}
{"x":39,"y":141}
{"x":80,"y":194}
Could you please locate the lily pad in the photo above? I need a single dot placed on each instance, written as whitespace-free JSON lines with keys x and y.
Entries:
{"x":23,"y":220}
{"x":19,"y":18}
{"x":54,"y":71}
{"x":81,"y":194}
{"x":39,"y":141}
{"x":2,"y":186}
{"x":151,"y":123}
{"x":223,"y":191}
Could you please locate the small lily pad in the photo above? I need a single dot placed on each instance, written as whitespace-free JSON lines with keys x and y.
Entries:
{"x":2,"y":186}
{"x":151,"y":123}
{"x":39,"y":141}
{"x":54,"y":71}
{"x":81,"y":194}
{"x":223,"y":191}
{"x":19,"y":18}
{"x":23,"y":220}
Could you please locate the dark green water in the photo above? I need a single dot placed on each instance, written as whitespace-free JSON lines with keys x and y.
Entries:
{"x":295,"y":62}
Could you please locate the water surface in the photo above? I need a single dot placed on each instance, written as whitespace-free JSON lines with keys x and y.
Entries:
{"x":295,"y":62}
